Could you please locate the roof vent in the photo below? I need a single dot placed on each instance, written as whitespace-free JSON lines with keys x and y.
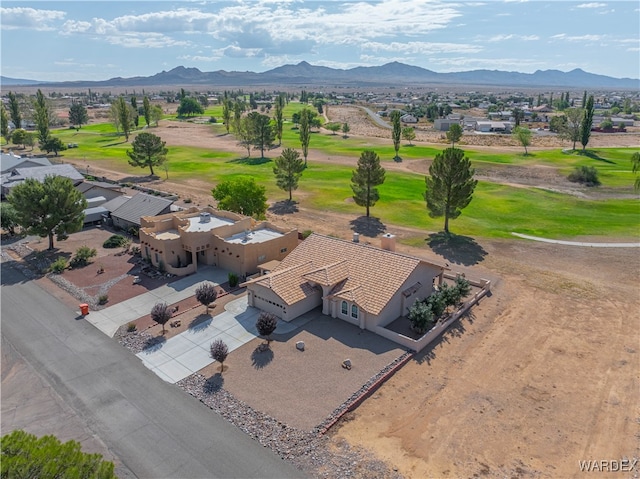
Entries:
{"x":388,"y":242}
{"x":205,"y":217}
{"x":356,"y":237}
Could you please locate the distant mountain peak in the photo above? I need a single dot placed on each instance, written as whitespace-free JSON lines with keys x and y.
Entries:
{"x":389,"y":74}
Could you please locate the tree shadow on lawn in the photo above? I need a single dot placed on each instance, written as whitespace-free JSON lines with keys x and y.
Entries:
{"x":261,"y":356}
{"x":368,"y":226}
{"x":594,"y":156}
{"x":213,"y":384}
{"x":456,"y":248}
{"x":251,"y":161}
{"x":284,"y":207}
{"x":200,"y":322}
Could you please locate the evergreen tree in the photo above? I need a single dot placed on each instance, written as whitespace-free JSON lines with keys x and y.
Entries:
{"x":450,"y":185}
{"x":226,"y":112}
{"x":454,"y":134}
{"x":148,"y":151}
{"x":41,"y":117}
{"x":305,"y":132}
{"x":4,"y":123}
{"x":396,"y":132}
{"x":587,"y":123}
{"x":278,"y":117}
{"x":288,"y":170}
{"x":78,"y":115}
{"x":365,"y":178}
{"x":25,"y":455}
{"x":51,"y":207}
{"x":146,"y":108}
{"x":262,"y":132}
{"x":14,"y":110}
{"x":124,"y":116}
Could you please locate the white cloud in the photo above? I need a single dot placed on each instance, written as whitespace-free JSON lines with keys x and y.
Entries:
{"x":511,"y":36}
{"x":30,"y":18}
{"x":578,"y":38}
{"x":452,"y":64}
{"x":421,"y":47}
{"x":591,"y":5}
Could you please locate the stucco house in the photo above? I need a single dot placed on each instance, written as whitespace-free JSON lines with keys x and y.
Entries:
{"x":358,"y":283}
{"x":180,"y":241}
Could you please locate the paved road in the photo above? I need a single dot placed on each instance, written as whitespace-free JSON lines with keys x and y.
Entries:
{"x":376,"y":118}
{"x":156,"y":429}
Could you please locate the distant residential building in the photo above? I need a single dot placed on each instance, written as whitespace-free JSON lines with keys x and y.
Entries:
{"x":39,"y":173}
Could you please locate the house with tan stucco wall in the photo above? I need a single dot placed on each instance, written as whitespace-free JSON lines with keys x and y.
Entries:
{"x":362,"y":284}
{"x":178,"y":242}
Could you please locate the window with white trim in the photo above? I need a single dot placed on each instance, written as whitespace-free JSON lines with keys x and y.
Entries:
{"x":354,"y":311}
{"x":345,"y":308}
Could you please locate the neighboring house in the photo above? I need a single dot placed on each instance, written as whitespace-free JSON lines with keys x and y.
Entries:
{"x":358,"y":283}
{"x":542,"y":109}
{"x":128,"y":214}
{"x":18,"y":175}
{"x":95,"y":189}
{"x":11,"y":161}
{"x":180,"y":241}
{"x":408,"y":118}
{"x":493,"y":126}
{"x":443,"y":124}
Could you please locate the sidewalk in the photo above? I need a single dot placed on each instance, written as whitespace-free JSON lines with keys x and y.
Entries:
{"x":108,"y":320}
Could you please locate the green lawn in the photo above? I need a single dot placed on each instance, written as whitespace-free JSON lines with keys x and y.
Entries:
{"x":495,"y":211}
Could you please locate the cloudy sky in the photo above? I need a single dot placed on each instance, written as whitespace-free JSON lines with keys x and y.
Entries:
{"x":97,"y":40}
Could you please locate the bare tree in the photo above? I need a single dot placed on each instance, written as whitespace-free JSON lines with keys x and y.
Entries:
{"x":161,"y":313}
{"x":219,"y":352}
{"x":206,"y":294}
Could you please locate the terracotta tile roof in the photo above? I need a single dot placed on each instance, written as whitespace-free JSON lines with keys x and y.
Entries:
{"x":374,"y":275}
{"x":330,"y":274}
{"x":288,"y":283}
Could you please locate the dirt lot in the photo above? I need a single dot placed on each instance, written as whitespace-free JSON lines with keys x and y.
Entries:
{"x":544,"y":374}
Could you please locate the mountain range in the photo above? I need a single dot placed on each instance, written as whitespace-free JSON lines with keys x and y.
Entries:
{"x":394,"y":73}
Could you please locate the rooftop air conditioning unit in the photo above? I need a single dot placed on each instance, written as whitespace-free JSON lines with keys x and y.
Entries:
{"x":205,"y":217}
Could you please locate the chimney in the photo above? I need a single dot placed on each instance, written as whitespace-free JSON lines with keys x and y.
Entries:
{"x":356,"y":237}
{"x":388,"y":242}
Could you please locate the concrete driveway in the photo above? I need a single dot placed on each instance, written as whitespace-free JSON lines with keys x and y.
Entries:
{"x":188,"y":352}
{"x":108,"y":320}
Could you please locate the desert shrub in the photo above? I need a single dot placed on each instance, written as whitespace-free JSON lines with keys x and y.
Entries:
{"x":131,"y":327}
{"x":135,"y":250}
{"x":219,"y":352}
{"x":233,"y":280}
{"x":82,"y":256}
{"x":586,"y":175}
{"x":421,"y":317}
{"x":59,"y":265}
{"x":115,"y":241}
{"x":103,"y":299}
{"x":213,"y":119}
{"x":266,"y":324}
{"x":306,"y":234}
{"x":437,"y":303}
{"x":206,"y":294}
{"x":187,"y":200}
{"x":463,"y":286}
